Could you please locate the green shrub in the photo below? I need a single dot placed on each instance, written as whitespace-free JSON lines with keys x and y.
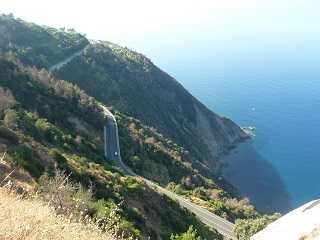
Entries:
{"x":191,"y":234}
{"x":246,"y":228}
{"x":132,"y":184}
{"x":59,"y":158}
{"x":11,"y":119}
{"x":109,"y":217}
{"x":46,"y":129}
{"x":134,"y":215}
{"x":176,"y":188}
{"x":9,"y":135}
{"x":65,"y":196}
{"x":39,"y":46}
{"x":24,"y":157}
{"x":100,"y":208}
{"x":136,"y":162}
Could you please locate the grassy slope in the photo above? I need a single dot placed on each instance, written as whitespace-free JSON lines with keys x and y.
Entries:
{"x":35,"y":45}
{"x":63,"y":117}
{"x":61,"y":126}
{"x":155,"y":157}
{"x":32,"y":220}
{"x":134,"y":85}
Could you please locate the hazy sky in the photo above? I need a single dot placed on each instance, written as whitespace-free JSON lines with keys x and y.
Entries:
{"x":167,"y":28}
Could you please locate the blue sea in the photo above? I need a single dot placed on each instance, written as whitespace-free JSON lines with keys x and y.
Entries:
{"x":278,"y":92}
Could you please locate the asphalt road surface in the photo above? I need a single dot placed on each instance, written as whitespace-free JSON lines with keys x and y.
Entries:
{"x":60,"y":64}
{"x":112,"y":152}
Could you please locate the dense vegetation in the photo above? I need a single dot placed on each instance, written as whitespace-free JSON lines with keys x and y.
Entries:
{"x":245,"y":228}
{"x":48,"y":125}
{"x":35,"y":45}
{"x":191,"y":234}
{"x":132,"y":84}
{"x":153,"y":156}
{"x":60,"y":127}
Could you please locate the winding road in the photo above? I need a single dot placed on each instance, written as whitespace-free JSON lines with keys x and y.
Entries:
{"x":62,"y":63}
{"x":112,"y":152}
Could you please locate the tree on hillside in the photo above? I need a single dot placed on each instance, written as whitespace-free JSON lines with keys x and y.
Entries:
{"x":10,"y":119}
{"x":245,"y":228}
{"x":191,"y":234}
{"x":6,"y":99}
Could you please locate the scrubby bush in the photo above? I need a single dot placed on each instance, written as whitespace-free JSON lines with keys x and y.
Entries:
{"x":176,"y":188}
{"x":132,"y":184}
{"x":77,"y":203}
{"x":43,"y":124}
{"x":38,"y":46}
{"x":65,"y":196}
{"x":10,"y":119}
{"x":191,"y":234}
{"x":25,"y":157}
{"x":9,"y":135}
{"x":246,"y":228}
{"x":6,"y":99}
{"x":241,"y":208}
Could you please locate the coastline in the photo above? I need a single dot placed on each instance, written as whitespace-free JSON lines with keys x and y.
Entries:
{"x":256,"y":178}
{"x":249,"y":130}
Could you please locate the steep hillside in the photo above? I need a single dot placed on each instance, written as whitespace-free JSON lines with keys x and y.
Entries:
{"x":48,"y":124}
{"x":37,"y":221}
{"x":155,"y":157}
{"x":130,"y":83}
{"x":166,"y":135}
{"x":133,"y":84}
{"x":35,"y":45}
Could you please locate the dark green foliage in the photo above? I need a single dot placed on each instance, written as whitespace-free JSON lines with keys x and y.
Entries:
{"x":246,"y":228}
{"x":132,"y":84}
{"x":151,"y":155}
{"x":9,"y":135}
{"x":62,"y":162}
{"x":63,"y":127}
{"x":35,"y":45}
{"x":191,"y":234}
{"x":60,"y":127}
{"x":54,"y":94}
{"x":169,"y":218}
{"x":10,"y":119}
{"x":56,"y":102}
{"x":24,"y":157}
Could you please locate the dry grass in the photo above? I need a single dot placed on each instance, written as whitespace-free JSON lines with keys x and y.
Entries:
{"x":32,"y":220}
{"x":314,"y":235}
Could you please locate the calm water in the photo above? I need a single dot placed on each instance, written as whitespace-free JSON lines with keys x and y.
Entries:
{"x":279,"y":94}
